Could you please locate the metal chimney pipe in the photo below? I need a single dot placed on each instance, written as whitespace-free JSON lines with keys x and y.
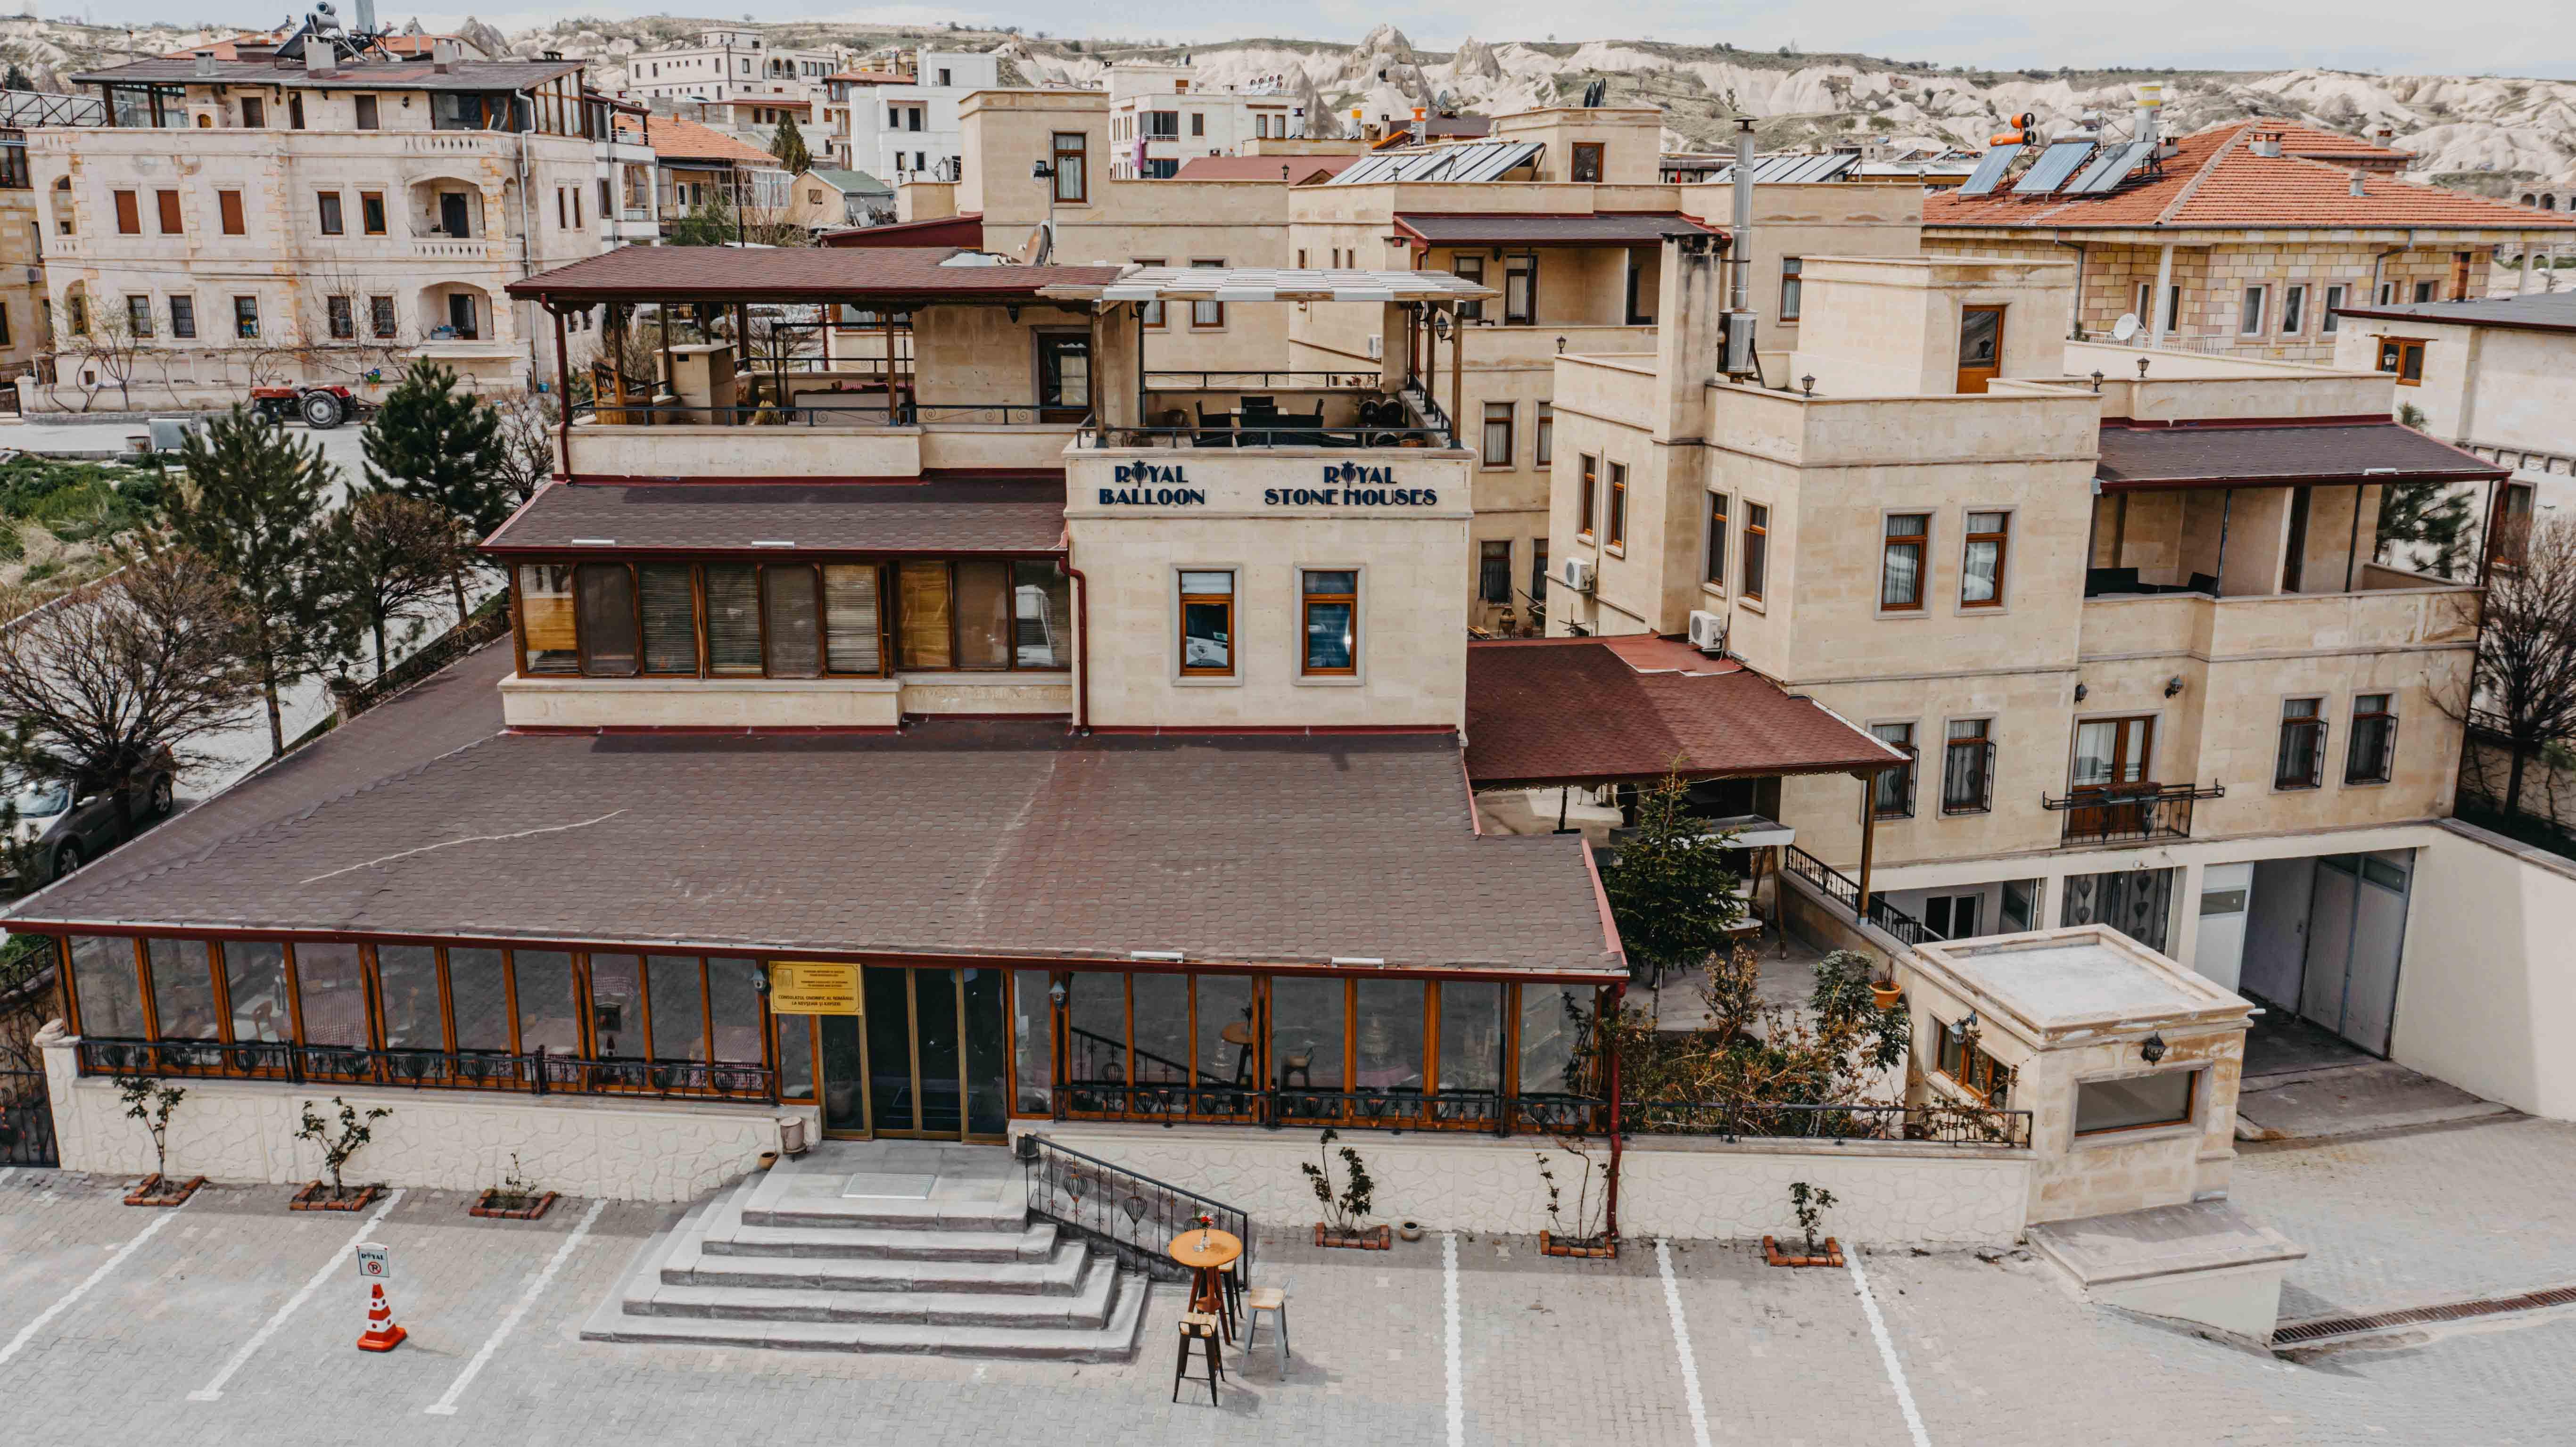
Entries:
{"x":366,"y":16}
{"x":205,"y":62}
{"x":1739,"y":300}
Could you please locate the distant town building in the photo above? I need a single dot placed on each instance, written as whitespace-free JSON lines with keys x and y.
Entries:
{"x":897,"y":117}
{"x":1162,"y":115}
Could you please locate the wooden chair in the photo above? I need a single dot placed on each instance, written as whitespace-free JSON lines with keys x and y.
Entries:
{"x":1201,"y":1327}
{"x":1274,"y":1300}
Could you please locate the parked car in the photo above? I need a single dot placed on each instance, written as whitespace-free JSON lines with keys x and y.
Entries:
{"x":66,"y":823}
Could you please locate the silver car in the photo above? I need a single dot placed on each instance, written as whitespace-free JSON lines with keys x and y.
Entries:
{"x":64,"y":825}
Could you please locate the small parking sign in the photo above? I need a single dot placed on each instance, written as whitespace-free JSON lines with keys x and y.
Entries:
{"x":373,"y":1262}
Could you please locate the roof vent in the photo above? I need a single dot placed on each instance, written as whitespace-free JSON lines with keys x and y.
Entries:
{"x":2267,"y":143}
{"x":205,"y":62}
{"x":2357,"y":188}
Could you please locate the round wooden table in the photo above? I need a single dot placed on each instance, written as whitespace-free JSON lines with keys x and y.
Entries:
{"x":1206,"y":1252}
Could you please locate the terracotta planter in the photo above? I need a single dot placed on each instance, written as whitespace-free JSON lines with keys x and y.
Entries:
{"x":1602,"y":1248}
{"x":1367,"y":1238}
{"x":1833,"y":1254}
{"x":162,"y":1191}
{"x":317,"y":1197}
{"x":1886,"y":995}
{"x":530,"y":1209}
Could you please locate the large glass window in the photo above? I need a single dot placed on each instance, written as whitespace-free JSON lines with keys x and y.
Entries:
{"x":334,"y":993}
{"x":923,"y":606}
{"x":1306,"y":1032}
{"x":1042,"y":614}
{"x":851,"y":637}
{"x":481,"y":999}
{"x":407,"y":980}
{"x":669,"y":606}
{"x":676,"y":992}
{"x":1160,"y":1045}
{"x":2140,"y":1102}
{"x":733,"y":620}
{"x":255,"y":986}
{"x":183,"y":989}
{"x":545,"y":618}
{"x":549,"y":1017}
{"x":1224,"y":1048}
{"x":1032,"y":1041}
{"x":796,"y":1058}
{"x":617,"y":1006}
{"x":984,"y":629}
{"x":1330,"y":612}
{"x":1900,"y":570}
{"x":1389,"y":1015}
{"x":1550,"y":1025}
{"x":1096,"y":1028}
{"x":111,"y":994}
{"x":1207,"y":624}
{"x":606,"y":594}
{"x":1471,"y":1035}
{"x":733,"y":1006}
{"x":790,"y":620}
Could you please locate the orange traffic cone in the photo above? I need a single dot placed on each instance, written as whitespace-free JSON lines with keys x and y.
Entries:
{"x":381,"y":1334}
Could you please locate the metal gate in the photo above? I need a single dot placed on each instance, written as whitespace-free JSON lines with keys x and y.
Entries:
{"x":26,"y":1118}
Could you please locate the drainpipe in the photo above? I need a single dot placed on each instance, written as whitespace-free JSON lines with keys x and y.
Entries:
{"x":2075,"y":328}
{"x":2157,"y":306}
{"x":1081,"y":641}
{"x":2380,"y":262}
{"x":528,"y":229}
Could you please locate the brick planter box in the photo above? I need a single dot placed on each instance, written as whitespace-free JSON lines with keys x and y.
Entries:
{"x":1833,"y":1254}
{"x":1605,"y":1248}
{"x":1367,"y":1238}
{"x":317,"y":1197}
{"x":162,"y":1191}
{"x":529,"y":1209}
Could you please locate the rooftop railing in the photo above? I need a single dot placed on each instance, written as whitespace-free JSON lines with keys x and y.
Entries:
{"x":542,"y":1073}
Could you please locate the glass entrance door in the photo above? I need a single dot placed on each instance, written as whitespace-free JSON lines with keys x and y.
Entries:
{"x":927,"y":1058}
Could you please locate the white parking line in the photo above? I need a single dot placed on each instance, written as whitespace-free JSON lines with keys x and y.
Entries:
{"x":1887,"y":1350}
{"x":1681,"y":1341}
{"x":213,"y":1390}
{"x":445,"y":1406}
{"x":1457,"y":1357}
{"x":28,"y":1332}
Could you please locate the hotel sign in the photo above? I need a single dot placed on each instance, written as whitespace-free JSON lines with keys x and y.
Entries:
{"x":1349,"y":484}
{"x":813,"y":987}
{"x":1158,"y":485}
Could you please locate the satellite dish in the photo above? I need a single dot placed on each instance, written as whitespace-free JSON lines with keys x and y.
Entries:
{"x":2126,"y":327}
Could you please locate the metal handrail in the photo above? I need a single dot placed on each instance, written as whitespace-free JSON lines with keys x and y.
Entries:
{"x":1842,"y":890}
{"x":1170,"y":381}
{"x":1097,"y":436}
{"x":817,"y":414}
{"x":1086,"y":1194}
{"x":2137,"y":811}
{"x":541,"y":1073}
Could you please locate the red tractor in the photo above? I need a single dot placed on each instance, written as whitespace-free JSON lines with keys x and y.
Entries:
{"x":322,"y":408}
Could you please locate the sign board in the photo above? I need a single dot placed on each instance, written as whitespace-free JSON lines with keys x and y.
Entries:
{"x":813,"y":987}
{"x":374,"y":1262}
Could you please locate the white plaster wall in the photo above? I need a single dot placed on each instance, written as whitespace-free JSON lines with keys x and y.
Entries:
{"x":1888,"y":1194}
{"x":2486,"y":998}
{"x":458,"y":1141}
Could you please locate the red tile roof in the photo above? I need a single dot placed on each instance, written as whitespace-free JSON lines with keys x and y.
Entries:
{"x":1550,"y":711}
{"x":2216,"y":180}
{"x":1296,"y":170}
{"x":678,"y":139}
{"x":915,"y":273}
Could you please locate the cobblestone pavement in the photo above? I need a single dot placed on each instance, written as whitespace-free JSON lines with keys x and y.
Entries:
{"x":1546,"y":1351}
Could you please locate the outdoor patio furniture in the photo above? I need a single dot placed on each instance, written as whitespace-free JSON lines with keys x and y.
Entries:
{"x":1274,"y":1300}
{"x":1206,"y":1251}
{"x":1200,"y":1327}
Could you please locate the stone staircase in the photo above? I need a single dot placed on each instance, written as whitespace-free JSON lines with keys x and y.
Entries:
{"x":883,"y":1247}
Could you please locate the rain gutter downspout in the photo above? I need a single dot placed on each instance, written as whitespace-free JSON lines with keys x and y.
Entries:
{"x":527,"y":234}
{"x":1081,"y":640}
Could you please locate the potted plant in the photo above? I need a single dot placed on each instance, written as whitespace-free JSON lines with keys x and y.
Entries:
{"x":1809,"y":1203}
{"x":1345,"y":1212}
{"x":514,"y":1199}
{"x":152,"y":1103}
{"x":1588,"y":1239}
{"x":337,"y":1146}
{"x":1884,"y":991}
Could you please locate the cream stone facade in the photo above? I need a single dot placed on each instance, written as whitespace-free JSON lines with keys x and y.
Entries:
{"x":22,"y":263}
{"x":317,"y":228}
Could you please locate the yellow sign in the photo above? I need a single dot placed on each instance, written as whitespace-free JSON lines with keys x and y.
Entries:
{"x":813,"y":987}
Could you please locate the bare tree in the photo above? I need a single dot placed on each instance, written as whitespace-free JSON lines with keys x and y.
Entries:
{"x":527,"y":442}
{"x":2523,"y":686}
{"x":386,"y":555}
{"x":94,"y":688}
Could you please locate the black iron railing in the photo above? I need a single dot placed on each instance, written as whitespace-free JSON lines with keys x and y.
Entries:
{"x":1937,"y":1124}
{"x":2151,"y":811}
{"x":542,"y":1073}
{"x":26,"y":1119}
{"x":1284,"y":434}
{"x":1843,"y":890}
{"x":838,"y":414}
{"x":1173,"y":381}
{"x":1136,"y":1217}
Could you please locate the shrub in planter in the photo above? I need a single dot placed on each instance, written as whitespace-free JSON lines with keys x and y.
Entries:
{"x":1809,"y":1203}
{"x":153,"y":1103}
{"x":338,"y":1142}
{"x":514,"y":1199}
{"x":1345,"y":1211}
{"x":1587,"y":1238}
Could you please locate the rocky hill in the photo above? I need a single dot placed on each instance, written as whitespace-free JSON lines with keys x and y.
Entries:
{"x":2479,"y":133}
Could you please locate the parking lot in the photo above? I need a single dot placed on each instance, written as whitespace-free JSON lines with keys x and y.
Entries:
{"x":234,"y":1320}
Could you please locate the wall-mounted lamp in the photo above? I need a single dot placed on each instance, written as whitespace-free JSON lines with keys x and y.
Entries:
{"x":2142,"y":369}
{"x":2173,"y":685}
{"x":2154,"y":1048}
{"x":1055,"y":994}
{"x":1560,"y":346}
{"x":1498,"y":253}
{"x":1011,"y":310}
{"x":1440,"y":325}
{"x":2097,"y":381}
{"x":1963,"y":1029}
{"x":1040,"y":171}
{"x":2080,"y":692}
{"x":1809,"y":382}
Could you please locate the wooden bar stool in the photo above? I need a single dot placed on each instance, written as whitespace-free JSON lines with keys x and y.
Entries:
{"x":1201,"y":1327}
{"x":1274,"y":1300}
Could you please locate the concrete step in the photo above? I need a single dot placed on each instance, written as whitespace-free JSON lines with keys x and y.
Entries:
{"x":814,"y":1199}
{"x":1088,"y":1307}
{"x":728,"y":1234}
{"x":690,"y":1265}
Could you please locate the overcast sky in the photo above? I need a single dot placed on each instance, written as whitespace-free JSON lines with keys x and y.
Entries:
{"x":2394,"y":36}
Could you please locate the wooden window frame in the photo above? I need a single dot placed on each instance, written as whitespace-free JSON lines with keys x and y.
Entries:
{"x":385,"y":323}
{"x":173,"y":220}
{"x":2394,"y":355}
{"x":1889,"y":542}
{"x":1181,"y":623}
{"x":1754,"y":551}
{"x":329,"y":215}
{"x":1543,"y":435}
{"x":1153,"y":316}
{"x":1212,"y":311}
{"x":2386,"y":714}
{"x":1974,"y":1072}
{"x":1080,"y":151}
{"x":2190,"y":1106}
{"x":1793,"y":286}
{"x":1307,"y":601}
{"x":1591,"y":156}
{"x":1984,"y":740}
{"x":1510,"y":421}
{"x":2315,"y":721}
{"x":1616,"y":537}
{"x":1526,"y":315}
{"x":340,"y":313}
{"x":228,"y":208}
{"x":1713,"y":549}
{"x":1586,"y":516}
{"x":246,"y":317}
{"x":2130,"y":733}
{"x":2002,"y":539}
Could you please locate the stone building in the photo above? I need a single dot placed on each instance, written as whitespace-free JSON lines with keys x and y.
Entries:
{"x":327,"y":219}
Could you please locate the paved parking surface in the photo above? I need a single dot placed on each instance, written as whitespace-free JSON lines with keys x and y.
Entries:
{"x":1542,"y":1351}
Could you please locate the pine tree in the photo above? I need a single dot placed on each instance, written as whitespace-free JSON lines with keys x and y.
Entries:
{"x":1670,"y":890}
{"x":252,"y":509}
{"x":16,"y":79}
{"x":432,"y":442}
{"x":789,"y":147}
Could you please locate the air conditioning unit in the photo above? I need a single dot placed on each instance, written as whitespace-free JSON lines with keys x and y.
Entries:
{"x":1576,"y":574}
{"x":1377,"y":348}
{"x":1708,"y":631}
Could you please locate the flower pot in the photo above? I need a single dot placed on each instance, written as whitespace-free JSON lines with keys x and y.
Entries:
{"x":1409,"y":1230}
{"x":162,"y":1191}
{"x":494,"y":1206}
{"x":1832,"y":1254}
{"x":1886,"y":995}
{"x":1366,"y":1238}
{"x":1604,"y":1247}
{"x":317,"y":1197}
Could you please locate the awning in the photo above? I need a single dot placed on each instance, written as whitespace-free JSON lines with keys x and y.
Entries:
{"x":1575,"y":711}
{"x":1635,"y":228}
{"x":2288,"y":454}
{"x":699,"y":518}
{"x":1261,"y":283}
{"x":916,"y":274}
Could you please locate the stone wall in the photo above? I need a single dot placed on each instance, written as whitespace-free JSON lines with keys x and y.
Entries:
{"x":1888,"y":1194}
{"x":448,"y":1140}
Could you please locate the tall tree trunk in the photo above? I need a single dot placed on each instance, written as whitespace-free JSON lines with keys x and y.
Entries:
{"x":268,"y":688}
{"x":379,"y":625}
{"x":456,"y":580}
{"x":2513,"y":780}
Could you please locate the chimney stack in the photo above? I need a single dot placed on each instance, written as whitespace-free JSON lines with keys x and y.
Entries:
{"x":1739,"y":305}
{"x":2357,"y":188}
{"x":442,"y":55}
{"x":2267,"y":143}
{"x":319,"y":58}
{"x":205,"y":62}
